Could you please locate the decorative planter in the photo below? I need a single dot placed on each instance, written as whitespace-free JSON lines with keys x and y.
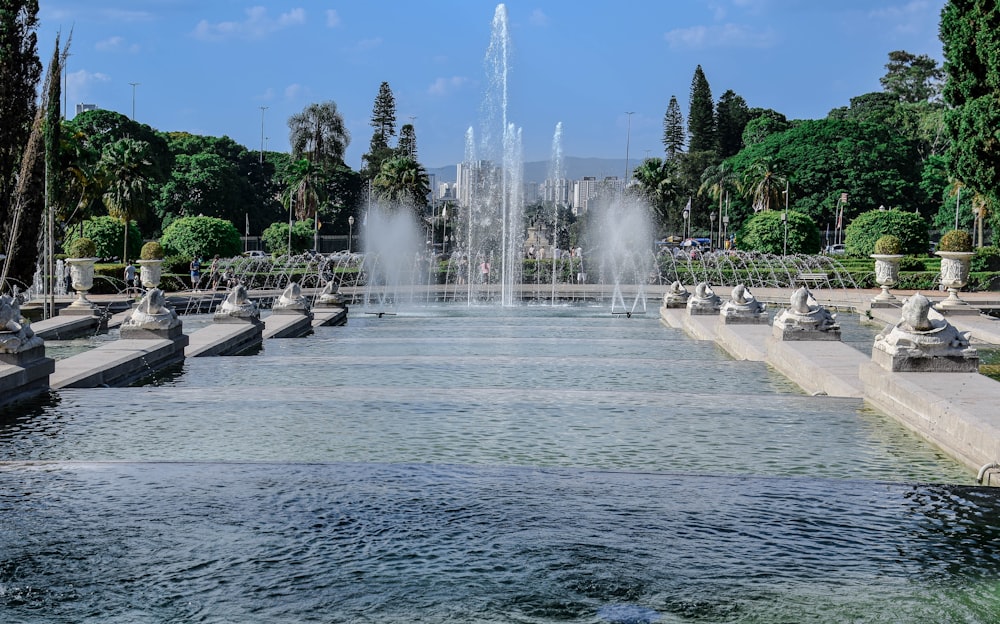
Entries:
{"x":81,"y":273}
{"x":887,"y":276}
{"x":150,"y":272}
{"x":954,"y":275}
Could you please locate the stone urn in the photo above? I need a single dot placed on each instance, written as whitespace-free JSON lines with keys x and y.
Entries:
{"x":150,"y":272}
{"x":81,"y":273}
{"x":954,"y":275}
{"x":886,"y":276}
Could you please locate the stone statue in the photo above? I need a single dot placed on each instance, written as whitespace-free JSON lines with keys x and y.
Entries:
{"x":152,"y":313}
{"x":14,"y":335}
{"x":704,"y":300}
{"x":676,"y":296}
{"x":920,"y":343}
{"x":237,"y":305}
{"x":805,"y":319}
{"x":743,"y":308}
{"x":330,"y":295}
{"x":291,"y":301}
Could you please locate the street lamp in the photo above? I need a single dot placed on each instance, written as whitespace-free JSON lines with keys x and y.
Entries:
{"x":686,"y":215}
{"x":134,"y":85}
{"x":628,"y":138}
{"x":444,"y":234}
{"x":711,"y":232}
{"x":291,"y":203}
{"x":350,"y":230}
{"x":784,"y":221}
{"x":262,"y":109}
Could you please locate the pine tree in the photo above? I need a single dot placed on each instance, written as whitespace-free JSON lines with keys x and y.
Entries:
{"x":407,"y":142}
{"x":673,"y":129}
{"x":732,"y":115}
{"x":384,"y":122}
{"x":701,"y":118}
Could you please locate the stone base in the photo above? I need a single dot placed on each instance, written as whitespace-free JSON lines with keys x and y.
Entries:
{"x":900,"y":363}
{"x":298,"y":311}
{"x":885,"y":303}
{"x":80,"y":309}
{"x":784,"y":332}
{"x":702,"y":311}
{"x":24,"y":375}
{"x":237,"y":320}
{"x":957,"y":310}
{"x":674,"y":304}
{"x":748,"y":319}
{"x":151,"y":334}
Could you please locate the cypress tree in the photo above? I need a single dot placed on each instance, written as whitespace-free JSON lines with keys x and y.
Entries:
{"x":673,"y":129}
{"x":20,"y":71}
{"x":701,"y":118}
{"x":384,"y":122}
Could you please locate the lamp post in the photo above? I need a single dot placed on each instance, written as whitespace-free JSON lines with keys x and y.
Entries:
{"x":444,"y":218}
{"x":711,"y":231}
{"x":350,"y":233}
{"x":316,"y":230}
{"x":262,"y":109}
{"x":291,"y":203}
{"x":686,"y":215}
{"x":784,"y":221}
{"x":628,"y":138}
{"x":134,"y":85}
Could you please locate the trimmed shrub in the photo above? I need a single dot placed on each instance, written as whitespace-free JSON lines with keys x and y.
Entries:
{"x":911,"y":263}
{"x":888,"y":245}
{"x":201,"y":236}
{"x":955,"y":240}
{"x":862,"y":233}
{"x":986,"y":259}
{"x":81,"y":247}
{"x":765,"y":232}
{"x":152,"y":251}
{"x":275,"y":237}
{"x":107,"y":234}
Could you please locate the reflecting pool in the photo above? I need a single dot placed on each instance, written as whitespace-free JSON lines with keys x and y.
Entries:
{"x":457,"y":464}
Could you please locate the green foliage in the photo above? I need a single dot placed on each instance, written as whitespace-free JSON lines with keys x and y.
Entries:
{"x":955,"y":240}
{"x":81,"y":247}
{"x":986,"y":259}
{"x":701,"y":115}
{"x":912,"y":263}
{"x":868,"y":227}
{"x":673,"y":129}
{"x":889,"y":245}
{"x":108,"y":235}
{"x":732,"y":115}
{"x":275,"y":237}
{"x":912,"y":78}
{"x":765,"y":232}
{"x":319,"y":133}
{"x":202,"y":236}
{"x":152,"y":250}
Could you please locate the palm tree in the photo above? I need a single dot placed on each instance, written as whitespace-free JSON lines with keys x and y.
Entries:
{"x":402,"y":180}
{"x":319,"y":134}
{"x":305,"y":188}
{"x":762,"y":185}
{"x":717,"y":181}
{"x":127,"y":168}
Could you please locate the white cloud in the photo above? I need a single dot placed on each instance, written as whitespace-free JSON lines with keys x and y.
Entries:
{"x":446,"y":86}
{"x":295,"y":91}
{"x":116,"y":44}
{"x":720,"y":36}
{"x":905,"y":18}
{"x":538,"y":18}
{"x":332,"y":18}
{"x":80,"y":83}
{"x":258,"y":24}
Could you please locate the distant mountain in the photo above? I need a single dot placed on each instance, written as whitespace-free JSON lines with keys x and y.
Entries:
{"x":538,"y":171}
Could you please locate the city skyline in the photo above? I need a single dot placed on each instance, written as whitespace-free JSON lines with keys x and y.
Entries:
{"x":241,"y":69}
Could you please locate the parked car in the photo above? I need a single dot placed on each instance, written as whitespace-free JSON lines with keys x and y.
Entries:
{"x":835,"y":250}
{"x":255,"y":253}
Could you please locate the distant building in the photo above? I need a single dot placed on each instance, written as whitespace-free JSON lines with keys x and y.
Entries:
{"x":475,"y":178}
{"x":82,"y":108}
{"x":557,"y":191}
{"x":584,"y":190}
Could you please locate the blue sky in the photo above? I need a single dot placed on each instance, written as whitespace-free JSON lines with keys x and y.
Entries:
{"x":207,"y":66}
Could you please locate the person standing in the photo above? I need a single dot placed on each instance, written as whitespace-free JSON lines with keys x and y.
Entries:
{"x":213,"y":273}
{"x":484,"y":271}
{"x":129,"y":276}
{"x":195,"y":272}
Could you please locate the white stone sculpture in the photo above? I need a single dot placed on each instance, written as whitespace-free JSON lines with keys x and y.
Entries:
{"x":676,"y":296}
{"x":743,"y":308}
{"x":806,"y":319}
{"x":704,"y":300}
{"x":920,"y":343}
{"x":237,"y":306}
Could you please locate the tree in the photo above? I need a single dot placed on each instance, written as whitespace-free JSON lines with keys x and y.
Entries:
{"x":972,"y":89}
{"x":658,"y":184}
{"x":20,"y":72}
{"x":402,"y":180}
{"x":762,"y":123}
{"x":763,"y":186}
{"x":108,"y":236}
{"x":912,"y":78}
{"x":766,"y":232}
{"x":717,"y":181}
{"x":319,"y":134}
{"x":384,"y":122}
{"x":732,"y":115}
{"x":868,"y":227}
{"x":202,"y":237}
{"x":407,"y":142}
{"x":701,"y":117}
{"x":673,"y":129}
{"x":127,"y":170}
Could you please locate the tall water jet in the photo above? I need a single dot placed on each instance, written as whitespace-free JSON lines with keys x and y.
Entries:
{"x":557,"y":172}
{"x":493,"y":175}
{"x":624,"y":237}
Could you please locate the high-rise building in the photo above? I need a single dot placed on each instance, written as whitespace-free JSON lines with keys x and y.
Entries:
{"x":80,"y":108}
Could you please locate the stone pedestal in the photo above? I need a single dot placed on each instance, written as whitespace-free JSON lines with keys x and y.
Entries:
{"x":805,"y":319}
{"x":704,"y":301}
{"x":919,"y":344}
{"x":954,"y":276}
{"x":886,"y":276}
{"x":743,"y":309}
{"x":676,"y":297}
{"x":81,"y":272}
